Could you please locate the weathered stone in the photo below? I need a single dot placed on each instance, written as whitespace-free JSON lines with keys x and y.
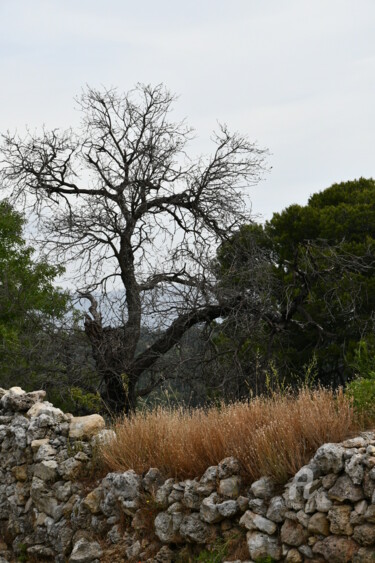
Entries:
{"x":85,"y":551}
{"x":92,"y":500}
{"x":293,"y":556}
{"x":46,"y":470}
{"x":230,"y":487}
{"x":339,"y":516}
{"x":354,"y":468}
{"x":20,"y":472}
{"x":152,"y":480}
{"x":293,"y":533}
{"x":258,"y":505}
{"x":330,"y":458}
{"x":303,"y":518}
{"x":41,"y":552}
{"x":336,"y":549}
{"x":306,"y":551}
{"x":44,"y":452}
{"x":70,"y":469}
{"x":163,"y":493}
{"x":329,"y":480}
{"x":365,"y":534}
{"x":85,"y":427}
{"x":228,"y":508}
{"x":243,"y":503}
{"x":252,"y":521}
{"x":228,"y":467}
{"x":318,"y":524}
{"x":323,"y":503}
{"x":18,"y":400}
{"x":134,"y":550}
{"x":368,"y":485}
{"x":208,"y":511}
{"x":167,"y":527}
{"x":48,"y":409}
{"x":364,"y":555}
{"x":192,"y":528}
{"x":192,"y":497}
{"x":36,"y":444}
{"x":358,"y":442}
{"x":210,"y":476}
{"x":261,"y":545}
{"x":263,"y":488}
{"x":276,"y":509}
{"x":310,"y":506}
{"x":345,"y":490}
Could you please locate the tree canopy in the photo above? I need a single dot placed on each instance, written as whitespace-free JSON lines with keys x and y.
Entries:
{"x":28,"y":297}
{"x":122,"y":201}
{"x":317,"y":292}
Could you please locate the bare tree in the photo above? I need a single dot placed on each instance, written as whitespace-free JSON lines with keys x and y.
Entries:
{"x":138,"y":220}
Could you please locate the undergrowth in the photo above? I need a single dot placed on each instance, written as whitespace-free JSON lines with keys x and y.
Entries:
{"x":269,"y":435}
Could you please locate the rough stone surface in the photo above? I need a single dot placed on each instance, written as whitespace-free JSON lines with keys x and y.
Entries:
{"x":261,"y":545}
{"x":336,"y":549}
{"x":330,"y":458}
{"x":293,"y":533}
{"x":85,"y":551}
{"x":345,"y":490}
{"x":85,"y":427}
{"x":263,"y":488}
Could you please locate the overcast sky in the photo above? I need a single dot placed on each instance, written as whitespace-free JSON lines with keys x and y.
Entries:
{"x":298,"y":76}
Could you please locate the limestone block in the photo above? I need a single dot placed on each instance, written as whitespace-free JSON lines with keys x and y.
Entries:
{"x":230,"y":487}
{"x":85,"y":427}
{"x":262,"y":545}
{"x":336,"y":549}
{"x":193,"y":529}
{"x":263,"y":488}
{"x":85,"y":551}
{"x":330,"y":458}
{"x":345,"y":490}
{"x":293,"y":533}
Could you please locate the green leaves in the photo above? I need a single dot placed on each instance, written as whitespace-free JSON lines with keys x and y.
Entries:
{"x":314,"y":277}
{"x":28,"y":298}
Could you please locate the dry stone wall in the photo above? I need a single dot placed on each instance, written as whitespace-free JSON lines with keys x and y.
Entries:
{"x":52,"y":508}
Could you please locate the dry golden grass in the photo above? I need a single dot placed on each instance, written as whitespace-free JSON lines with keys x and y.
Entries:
{"x":270,"y":436}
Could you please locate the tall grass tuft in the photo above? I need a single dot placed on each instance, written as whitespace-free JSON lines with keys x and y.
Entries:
{"x":270,"y":436}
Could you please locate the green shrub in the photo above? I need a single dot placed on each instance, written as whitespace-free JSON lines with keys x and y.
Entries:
{"x":362,"y":389}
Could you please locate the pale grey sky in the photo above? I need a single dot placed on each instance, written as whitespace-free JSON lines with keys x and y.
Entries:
{"x":298,"y":76}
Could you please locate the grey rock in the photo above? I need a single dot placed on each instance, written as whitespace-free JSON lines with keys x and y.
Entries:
{"x":252,"y":521}
{"x":230,"y":487}
{"x":323,"y":503}
{"x":330,"y":458}
{"x":17,"y":400}
{"x":167,"y":527}
{"x":276,"y":509}
{"x":85,"y":551}
{"x":192,"y":497}
{"x":163,"y":493}
{"x":209,"y":511}
{"x":228,"y":508}
{"x":228,"y":467}
{"x":263,"y":488}
{"x":210,"y":476}
{"x":192,"y":528}
{"x":46,"y":470}
{"x":258,"y":505}
{"x":345,"y":490}
{"x":261,"y":545}
{"x":354,"y":468}
{"x":152,"y":480}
